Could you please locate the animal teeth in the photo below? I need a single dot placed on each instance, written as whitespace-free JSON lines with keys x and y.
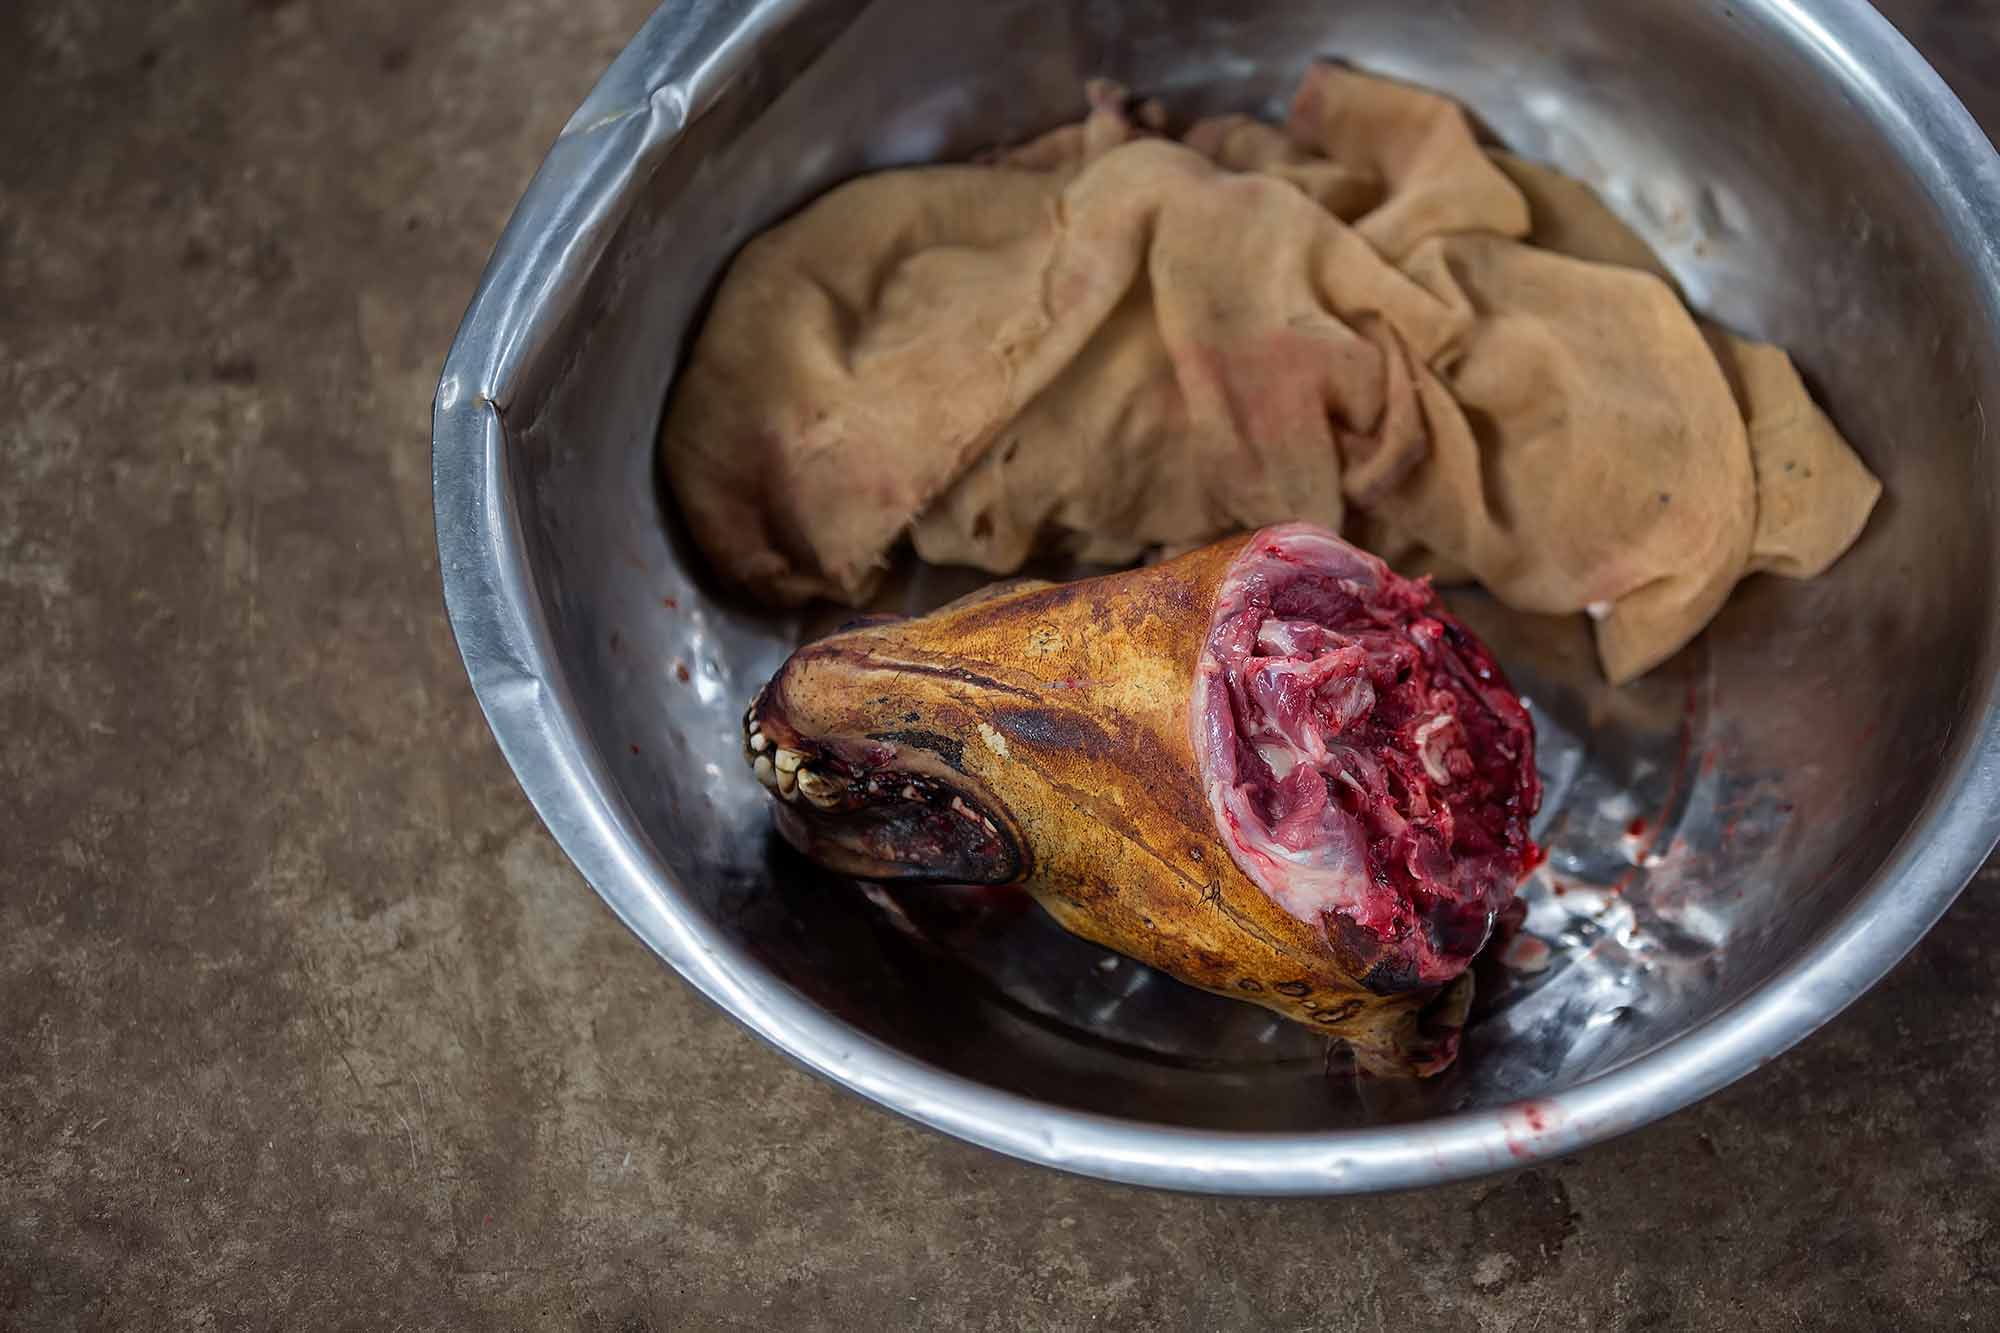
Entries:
{"x":765,"y":773}
{"x":909,"y":793}
{"x":789,"y":760}
{"x":821,"y":790}
{"x":759,"y":742}
{"x":788,"y":779}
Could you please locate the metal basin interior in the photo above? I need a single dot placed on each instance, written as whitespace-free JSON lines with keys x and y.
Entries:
{"x":1741,"y":843}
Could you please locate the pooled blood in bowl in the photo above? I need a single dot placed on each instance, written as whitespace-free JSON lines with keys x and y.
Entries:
{"x":1369,"y":767}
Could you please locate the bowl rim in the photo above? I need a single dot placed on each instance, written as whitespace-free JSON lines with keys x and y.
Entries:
{"x":672,"y":70}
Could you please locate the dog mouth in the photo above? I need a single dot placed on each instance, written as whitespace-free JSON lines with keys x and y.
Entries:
{"x":883,"y":806}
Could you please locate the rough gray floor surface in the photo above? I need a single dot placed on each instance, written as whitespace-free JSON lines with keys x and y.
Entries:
{"x":305,"y":1022}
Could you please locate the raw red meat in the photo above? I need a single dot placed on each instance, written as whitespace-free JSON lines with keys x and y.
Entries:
{"x":1368,"y":764}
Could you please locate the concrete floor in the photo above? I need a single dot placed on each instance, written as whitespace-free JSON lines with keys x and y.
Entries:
{"x":303,"y":1017}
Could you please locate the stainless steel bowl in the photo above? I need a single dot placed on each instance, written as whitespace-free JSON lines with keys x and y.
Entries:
{"x":1742,"y":843}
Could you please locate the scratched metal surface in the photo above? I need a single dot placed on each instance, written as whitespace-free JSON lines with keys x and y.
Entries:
{"x":1739,"y":844}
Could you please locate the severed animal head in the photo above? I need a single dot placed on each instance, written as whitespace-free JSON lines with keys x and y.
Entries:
{"x":1270,"y":768}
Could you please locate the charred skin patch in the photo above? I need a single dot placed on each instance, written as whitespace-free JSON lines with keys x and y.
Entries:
{"x":1052,"y":729}
{"x":944,"y":747}
{"x":964,"y":676}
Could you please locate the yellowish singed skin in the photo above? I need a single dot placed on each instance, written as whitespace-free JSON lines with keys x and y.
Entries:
{"x":1039,"y":734}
